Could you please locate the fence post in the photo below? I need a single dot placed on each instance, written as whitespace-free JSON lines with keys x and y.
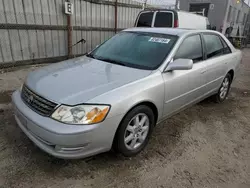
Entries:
{"x":115,"y":16}
{"x":69,"y":28}
{"x":69,"y":25}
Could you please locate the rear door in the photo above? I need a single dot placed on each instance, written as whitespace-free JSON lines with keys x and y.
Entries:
{"x":218,"y":55}
{"x":145,"y":19}
{"x":164,"y":19}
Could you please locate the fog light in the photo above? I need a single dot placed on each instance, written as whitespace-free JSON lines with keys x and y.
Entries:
{"x":69,"y":149}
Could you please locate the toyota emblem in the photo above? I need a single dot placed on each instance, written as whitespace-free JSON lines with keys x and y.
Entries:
{"x":30,"y":99}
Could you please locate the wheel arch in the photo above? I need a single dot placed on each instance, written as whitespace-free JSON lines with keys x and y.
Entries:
{"x":148,"y":103}
{"x":231,"y":72}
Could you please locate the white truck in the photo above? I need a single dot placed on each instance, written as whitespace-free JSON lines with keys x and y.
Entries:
{"x":171,"y":18}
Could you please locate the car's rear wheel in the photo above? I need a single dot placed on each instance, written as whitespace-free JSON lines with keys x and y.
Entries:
{"x":224,"y":89}
{"x":134,"y":131}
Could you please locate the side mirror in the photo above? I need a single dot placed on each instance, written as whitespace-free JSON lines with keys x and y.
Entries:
{"x":180,"y":64}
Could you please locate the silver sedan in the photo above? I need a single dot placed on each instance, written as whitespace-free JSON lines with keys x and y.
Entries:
{"x":115,"y":95}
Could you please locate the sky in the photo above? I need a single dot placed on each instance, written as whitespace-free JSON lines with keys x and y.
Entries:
{"x":169,"y":2}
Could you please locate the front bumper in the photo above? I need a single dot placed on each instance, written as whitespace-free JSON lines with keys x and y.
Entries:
{"x":63,"y":140}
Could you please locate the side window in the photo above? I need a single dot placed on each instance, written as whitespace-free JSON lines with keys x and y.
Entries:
{"x":191,"y":48}
{"x":145,"y":19}
{"x":164,"y":19}
{"x":226,"y":49}
{"x":213,"y":45}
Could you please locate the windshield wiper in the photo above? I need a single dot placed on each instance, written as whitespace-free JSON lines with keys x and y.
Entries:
{"x":91,"y":56}
{"x":107,"y":60}
{"x":112,"y":61}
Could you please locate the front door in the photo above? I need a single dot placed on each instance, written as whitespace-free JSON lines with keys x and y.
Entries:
{"x":184,"y":87}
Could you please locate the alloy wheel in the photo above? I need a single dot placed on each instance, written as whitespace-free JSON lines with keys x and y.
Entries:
{"x":224,"y":88}
{"x":136,"y":131}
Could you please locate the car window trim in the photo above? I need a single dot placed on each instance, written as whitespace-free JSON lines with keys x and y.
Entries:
{"x":224,"y":46}
{"x":205,"y":48}
{"x":202,"y":46}
{"x":153,"y":19}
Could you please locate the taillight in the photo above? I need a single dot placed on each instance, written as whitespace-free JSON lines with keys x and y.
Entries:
{"x":176,"y":23}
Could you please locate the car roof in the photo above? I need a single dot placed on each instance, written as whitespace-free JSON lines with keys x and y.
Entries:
{"x":169,"y":31}
{"x":171,"y":10}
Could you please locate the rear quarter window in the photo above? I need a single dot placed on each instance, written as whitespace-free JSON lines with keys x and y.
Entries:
{"x":145,"y":19}
{"x":226,"y":49}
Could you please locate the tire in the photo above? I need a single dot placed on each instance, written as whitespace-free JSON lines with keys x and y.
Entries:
{"x":126,"y":135}
{"x":223,"y":93}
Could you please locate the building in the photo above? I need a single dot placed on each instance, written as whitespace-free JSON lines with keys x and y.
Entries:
{"x":222,"y":14}
{"x":247,"y":29}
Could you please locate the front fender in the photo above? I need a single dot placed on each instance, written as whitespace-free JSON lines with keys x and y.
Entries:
{"x":123,"y":99}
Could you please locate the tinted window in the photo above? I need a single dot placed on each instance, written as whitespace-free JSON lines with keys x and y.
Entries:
{"x":227,"y":49}
{"x":191,"y":48}
{"x":145,"y":19}
{"x":213,"y":45}
{"x":164,"y":19}
{"x":136,"y":49}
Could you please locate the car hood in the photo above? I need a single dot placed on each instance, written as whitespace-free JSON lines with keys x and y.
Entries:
{"x":78,"y":80}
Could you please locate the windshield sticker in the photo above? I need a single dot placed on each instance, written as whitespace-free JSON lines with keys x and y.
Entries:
{"x":160,"y":40}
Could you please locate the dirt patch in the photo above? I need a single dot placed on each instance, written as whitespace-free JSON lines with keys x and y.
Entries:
{"x":12,"y":79}
{"x":241,"y":92}
{"x":5,"y":97}
{"x":23,"y":67}
{"x":208,"y":144}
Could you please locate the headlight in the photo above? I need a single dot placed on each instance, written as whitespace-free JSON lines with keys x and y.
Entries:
{"x":81,"y":114}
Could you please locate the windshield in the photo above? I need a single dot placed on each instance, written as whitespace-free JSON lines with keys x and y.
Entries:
{"x":135,"y":49}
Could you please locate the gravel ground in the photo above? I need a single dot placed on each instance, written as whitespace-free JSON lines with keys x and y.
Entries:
{"x":207,"y":145}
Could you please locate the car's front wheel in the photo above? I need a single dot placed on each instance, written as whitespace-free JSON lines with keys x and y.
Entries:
{"x":134,"y":131}
{"x":224,"y":89}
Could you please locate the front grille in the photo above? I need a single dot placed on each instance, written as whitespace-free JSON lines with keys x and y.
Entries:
{"x":37,"y":103}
